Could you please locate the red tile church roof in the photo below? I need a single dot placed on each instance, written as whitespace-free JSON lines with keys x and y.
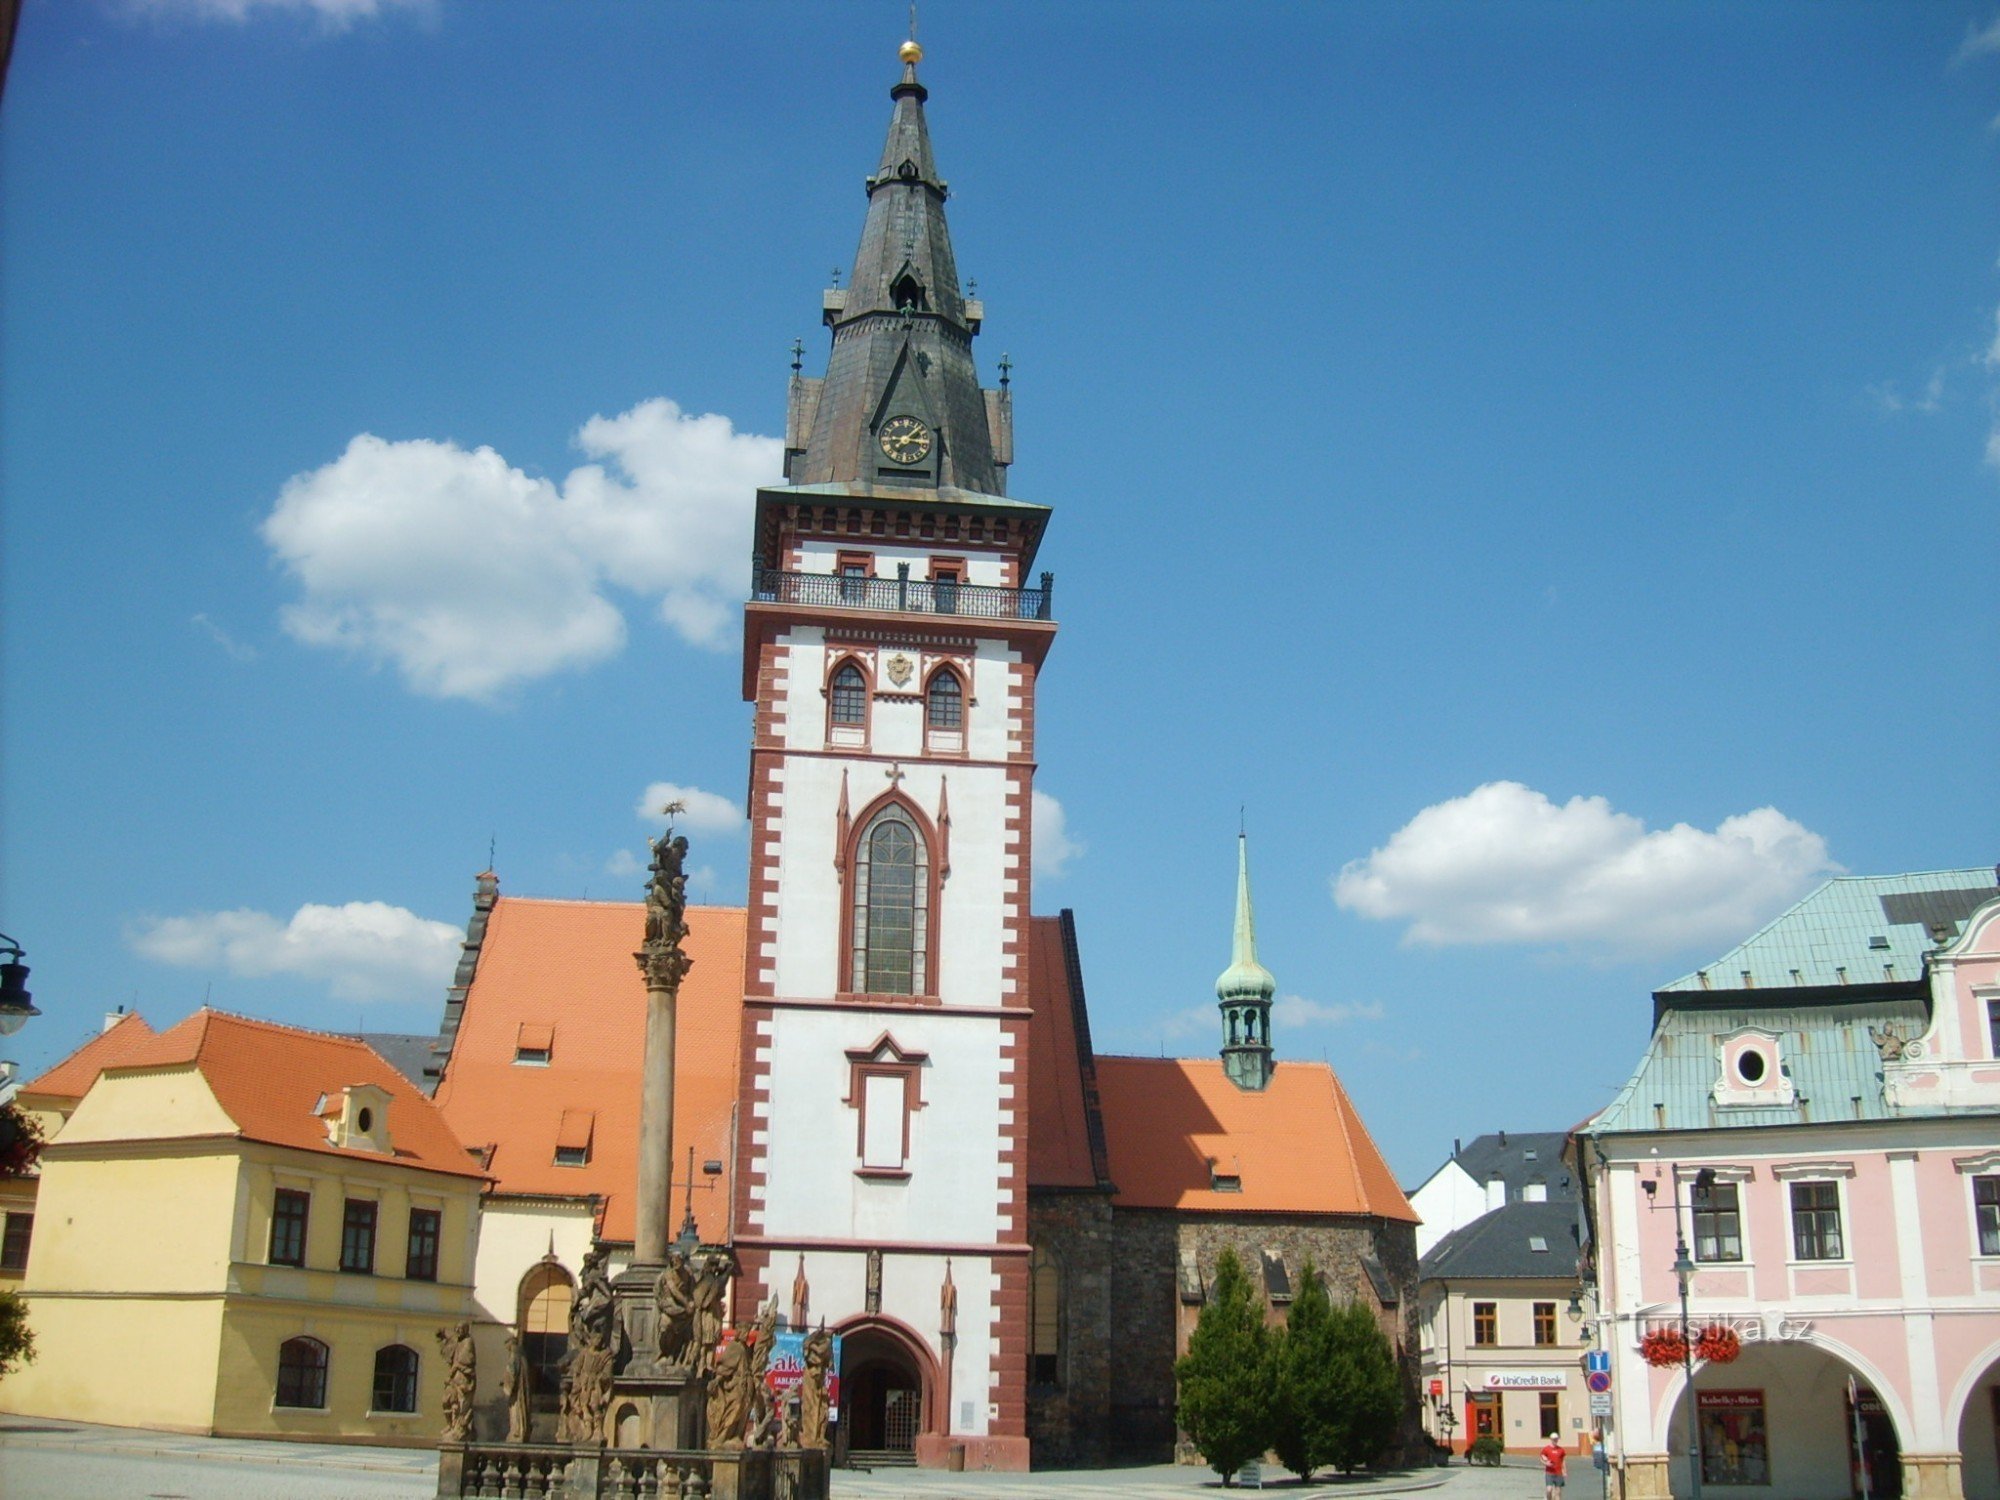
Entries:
{"x":560,"y":975}
{"x":1296,"y":1147}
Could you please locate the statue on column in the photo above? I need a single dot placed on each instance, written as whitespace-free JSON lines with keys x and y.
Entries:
{"x":661,"y":959}
{"x":460,"y":1380}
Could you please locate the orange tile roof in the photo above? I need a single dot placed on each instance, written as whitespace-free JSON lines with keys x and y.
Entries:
{"x":271,"y":1079}
{"x":567,"y":966}
{"x":1299,"y":1146}
{"x":1058,"y":1124}
{"x":73,"y":1076}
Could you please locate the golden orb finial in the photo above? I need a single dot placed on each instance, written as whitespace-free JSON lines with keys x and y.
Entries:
{"x":910,"y":52}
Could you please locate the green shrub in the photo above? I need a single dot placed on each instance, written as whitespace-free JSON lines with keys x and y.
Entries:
{"x":1486,"y":1450}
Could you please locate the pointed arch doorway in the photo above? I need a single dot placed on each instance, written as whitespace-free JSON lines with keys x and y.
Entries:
{"x":888,"y":1390}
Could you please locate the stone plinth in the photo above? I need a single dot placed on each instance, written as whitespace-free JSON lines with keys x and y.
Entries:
{"x":657,"y":1411}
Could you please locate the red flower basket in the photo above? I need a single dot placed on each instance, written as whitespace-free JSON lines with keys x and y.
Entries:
{"x":1663,"y":1347}
{"x":1717,"y":1345}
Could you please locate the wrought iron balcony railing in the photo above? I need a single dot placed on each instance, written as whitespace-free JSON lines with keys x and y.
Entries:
{"x":904,"y":595}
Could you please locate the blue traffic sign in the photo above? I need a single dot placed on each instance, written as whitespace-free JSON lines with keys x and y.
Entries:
{"x":1596,"y":1360}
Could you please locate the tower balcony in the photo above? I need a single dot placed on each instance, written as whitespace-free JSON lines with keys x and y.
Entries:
{"x":903,"y":595}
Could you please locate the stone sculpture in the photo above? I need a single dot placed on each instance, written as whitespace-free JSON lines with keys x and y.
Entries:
{"x":710,"y":1288}
{"x":765,"y":1339}
{"x":812,"y":1388}
{"x":461,"y":1379}
{"x":729,"y":1397}
{"x":673,"y":1299}
{"x":516,"y":1387}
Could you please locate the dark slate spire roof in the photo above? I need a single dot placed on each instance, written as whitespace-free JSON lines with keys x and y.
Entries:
{"x":902,"y":337}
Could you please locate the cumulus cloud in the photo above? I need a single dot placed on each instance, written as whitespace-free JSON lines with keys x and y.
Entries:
{"x":624,"y":864}
{"x":1504,"y":864}
{"x":472,"y":577}
{"x":1297,"y":1010}
{"x":1053,"y":846}
{"x":336,"y":15}
{"x":705,"y":812}
{"x":364,"y":950}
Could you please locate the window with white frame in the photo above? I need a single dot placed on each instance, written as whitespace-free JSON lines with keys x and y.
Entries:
{"x":1816,"y":1221}
{"x":1986,"y":1213}
{"x":1717,"y":1212}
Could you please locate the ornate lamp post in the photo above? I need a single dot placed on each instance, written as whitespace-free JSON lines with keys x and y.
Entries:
{"x":1684,"y":1273}
{"x":16,"y":1005}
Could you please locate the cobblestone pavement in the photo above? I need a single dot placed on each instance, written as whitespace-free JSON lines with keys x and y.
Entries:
{"x":47,"y":1460}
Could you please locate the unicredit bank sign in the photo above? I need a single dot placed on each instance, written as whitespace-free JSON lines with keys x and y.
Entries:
{"x":1525,"y":1380}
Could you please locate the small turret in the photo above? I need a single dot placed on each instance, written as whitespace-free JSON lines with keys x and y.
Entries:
{"x":1244,"y":991}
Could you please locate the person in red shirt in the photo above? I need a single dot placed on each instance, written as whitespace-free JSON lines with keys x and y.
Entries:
{"x":1553,"y":1457}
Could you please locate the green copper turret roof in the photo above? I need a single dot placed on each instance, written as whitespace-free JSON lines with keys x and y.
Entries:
{"x":1245,"y":978}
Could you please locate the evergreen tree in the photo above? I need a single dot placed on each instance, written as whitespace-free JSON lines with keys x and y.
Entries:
{"x":1369,"y":1392}
{"x":1225,"y":1377}
{"x":1307,"y":1397}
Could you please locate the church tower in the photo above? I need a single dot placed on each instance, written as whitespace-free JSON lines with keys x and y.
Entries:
{"x":891,"y":647}
{"x":1243,"y":991}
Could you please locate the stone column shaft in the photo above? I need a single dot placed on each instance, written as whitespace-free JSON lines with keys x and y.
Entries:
{"x":656,"y":1130}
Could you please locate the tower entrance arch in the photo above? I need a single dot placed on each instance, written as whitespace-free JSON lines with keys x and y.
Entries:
{"x":888,"y":1389}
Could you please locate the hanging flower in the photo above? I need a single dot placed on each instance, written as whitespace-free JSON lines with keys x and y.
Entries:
{"x":1663,"y":1347}
{"x":1718,"y":1344}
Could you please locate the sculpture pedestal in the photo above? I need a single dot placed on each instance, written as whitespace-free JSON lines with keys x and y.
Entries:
{"x":653,"y":1405}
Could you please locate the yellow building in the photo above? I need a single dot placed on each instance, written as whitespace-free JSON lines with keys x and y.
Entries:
{"x":248,"y":1229}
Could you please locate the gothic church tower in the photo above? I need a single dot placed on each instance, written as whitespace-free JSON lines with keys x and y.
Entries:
{"x":891,"y":648}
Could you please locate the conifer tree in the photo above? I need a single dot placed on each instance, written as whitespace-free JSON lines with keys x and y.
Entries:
{"x":1308,"y":1389}
{"x":1225,"y":1404}
{"x":1370,"y":1394}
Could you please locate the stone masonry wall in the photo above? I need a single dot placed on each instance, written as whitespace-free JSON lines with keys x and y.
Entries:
{"x":1069,"y":1419}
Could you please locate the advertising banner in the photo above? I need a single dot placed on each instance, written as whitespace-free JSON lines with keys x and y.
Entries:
{"x":788,"y":1368}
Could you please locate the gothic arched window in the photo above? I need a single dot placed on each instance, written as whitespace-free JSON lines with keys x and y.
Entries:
{"x":850,"y":695}
{"x":944,"y":704}
{"x":891,"y":906}
{"x":1044,"y":1318}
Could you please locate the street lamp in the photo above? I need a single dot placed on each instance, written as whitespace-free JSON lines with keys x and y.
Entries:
{"x":1684,"y":1273}
{"x":16,"y":1005}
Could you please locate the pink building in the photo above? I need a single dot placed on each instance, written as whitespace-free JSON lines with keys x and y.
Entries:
{"x":1817,"y":1120}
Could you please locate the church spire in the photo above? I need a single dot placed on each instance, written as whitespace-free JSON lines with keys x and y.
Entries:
{"x":1244,"y":991}
{"x":901,"y":404}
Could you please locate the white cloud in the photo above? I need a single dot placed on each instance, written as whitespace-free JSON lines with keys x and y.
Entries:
{"x":1892,"y":401}
{"x":336,"y":15}
{"x":1296,"y":1010}
{"x":471,"y":577}
{"x":625,"y":865}
{"x":1979,"y":40}
{"x":1504,"y":864}
{"x":234,"y":649}
{"x":706,"y":812}
{"x":364,"y":950}
{"x":1053,"y":847}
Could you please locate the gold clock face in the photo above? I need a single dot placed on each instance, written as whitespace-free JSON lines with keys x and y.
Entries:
{"x":905,"y":440}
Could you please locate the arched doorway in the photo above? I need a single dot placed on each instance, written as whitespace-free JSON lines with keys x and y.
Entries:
{"x":1780,"y":1417}
{"x":543,"y":1304}
{"x":1979,"y":1436}
{"x":888,"y":1384}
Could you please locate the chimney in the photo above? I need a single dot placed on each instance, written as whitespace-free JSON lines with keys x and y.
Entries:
{"x":1496,"y":1192}
{"x":113,"y":1017}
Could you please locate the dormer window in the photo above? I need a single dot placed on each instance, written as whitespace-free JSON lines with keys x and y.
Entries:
{"x":1750,"y":1071}
{"x":573,"y":1137}
{"x":534,"y":1045}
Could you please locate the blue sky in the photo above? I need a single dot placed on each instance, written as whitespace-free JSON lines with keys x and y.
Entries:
{"x":1538,"y":461}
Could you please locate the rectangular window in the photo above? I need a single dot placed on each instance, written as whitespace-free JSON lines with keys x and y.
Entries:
{"x":1545,"y":1325}
{"x":14,"y":1242}
{"x":1551,"y":1414}
{"x":421,"y":1264}
{"x":854,"y":570}
{"x":1985,"y":1205}
{"x":1993,"y":1027}
{"x":357,"y":1237}
{"x":1485,"y":1323}
{"x":288,"y":1227}
{"x":1718,"y":1223}
{"x":1816,"y":1221}
{"x":882,"y":1121}
{"x":945,"y":579}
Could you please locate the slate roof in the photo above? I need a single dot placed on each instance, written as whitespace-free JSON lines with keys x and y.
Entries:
{"x":1501,"y":1245}
{"x":270,"y":1081}
{"x":1856,"y":929}
{"x":1297,"y":1146}
{"x":1823,"y":1047}
{"x":406,"y":1052}
{"x":1517,"y":1159}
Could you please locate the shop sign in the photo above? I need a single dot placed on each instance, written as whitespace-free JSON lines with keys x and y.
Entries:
{"x":1525,"y":1380}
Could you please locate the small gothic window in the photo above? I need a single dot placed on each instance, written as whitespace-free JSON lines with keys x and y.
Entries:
{"x":909,"y":292}
{"x":945,"y":706}
{"x":850,"y":695}
{"x":891,"y":906}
